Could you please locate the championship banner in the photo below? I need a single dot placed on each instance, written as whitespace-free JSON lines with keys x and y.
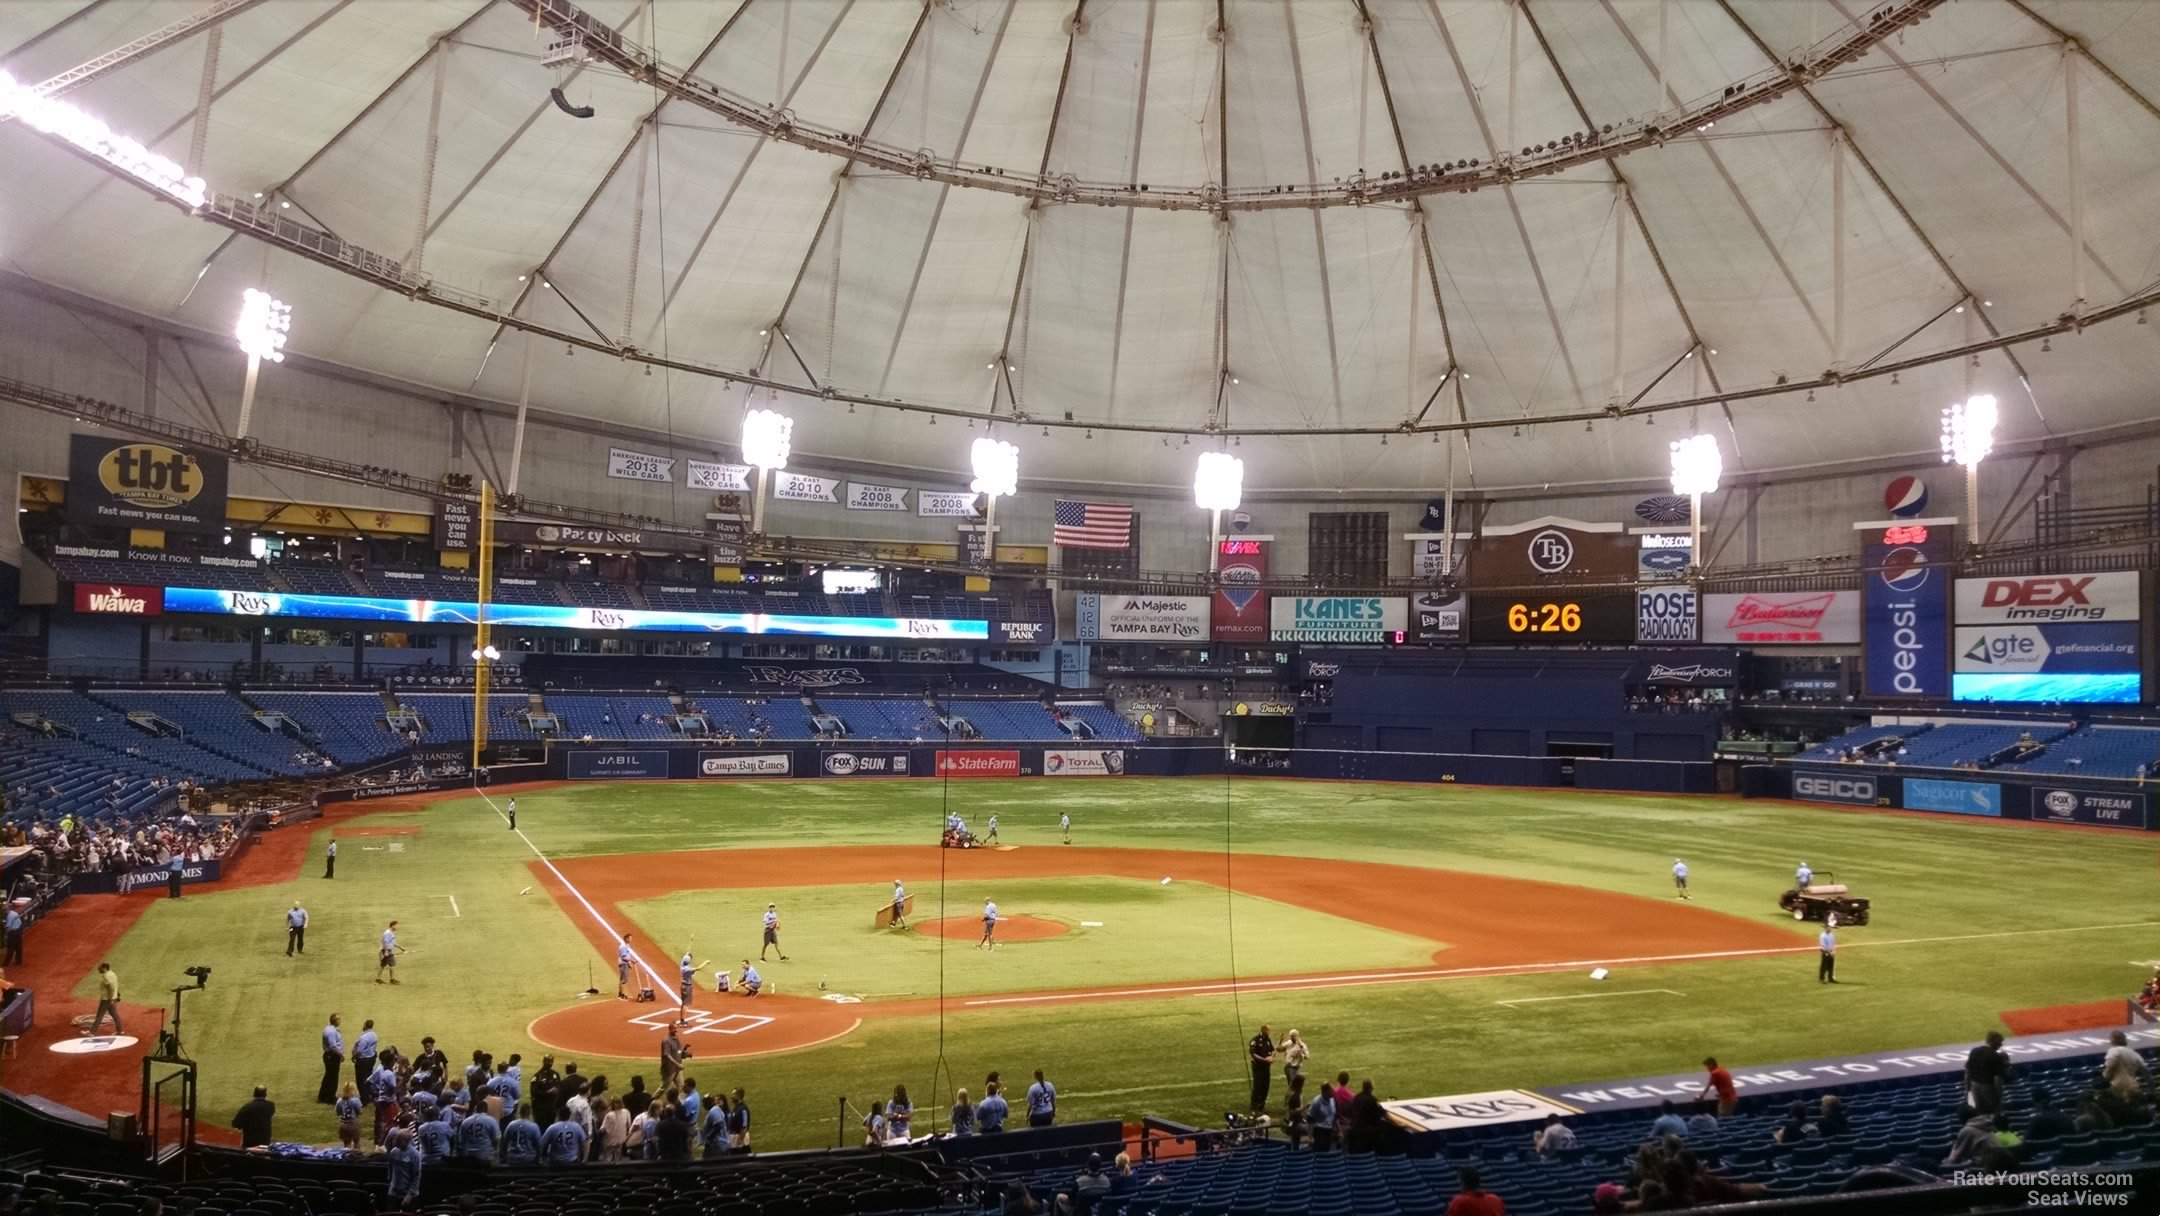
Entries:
{"x":1665,"y":614}
{"x":802,"y":487}
{"x":1785,"y":618}
{"x":1907,"y":579}
{"x":1239,"y":605}
{"x":1438,"y":617}
{"x":730,"y":764}
{"x":705,"y":475}
{"x":639,"y":466}
{"x":120,"y":483}
{"x":1083,"y":764}
{"x":2048,"y":598}
{"x":1141,"y":618}
{"x":1337,"y":618}
{"x":861,"y":497}
{"x":945,"y":504}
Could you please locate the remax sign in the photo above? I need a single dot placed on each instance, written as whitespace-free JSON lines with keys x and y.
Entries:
{"x":1825,"y":787}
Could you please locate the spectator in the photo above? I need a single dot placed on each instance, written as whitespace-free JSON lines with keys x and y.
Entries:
{"x":2092,"y":1116}
{"x":563,"y":1143}
{"x":1367,"y":1120}
{"x":1294,"y":1053}
{"x":990,"y":1115}
{"x":348,"y":1117}
{"x":521,"y":1139}
{"x":432,"y":1138}
{"x":875,"y":1129}
{"x":899,"y":1113}
{"x":1986,"y":1068}
{"x":672,"y":1134}
{"x":1702,"y":1122}
{"x":253,"y":1119}
{"x":2046,"y":1123}
{"x":1089,"y":1187}
{"x":963,"y":1114}
{"x":404,"y":1171}
{"x":1728,"y":1097}
{"x":611,"y":1129}
{"x":672,"y":1055}
{"x":738,"y":1122}
{"x":1796,"y":1127}
{"x":1320,"y":1114}
{"x":2122,"y":1068}
{"x":712,"y":1134}
{"x":1976,"y":1144}
{"x":479,"y":1135}
{"x":1554,"y":1137}
{"x":1668,"y":1122}
{"x":637,"y":1099}
{"x":1474,"y":1199}
{"x":1833,"y":1120}
{"x":1041,"y":1102}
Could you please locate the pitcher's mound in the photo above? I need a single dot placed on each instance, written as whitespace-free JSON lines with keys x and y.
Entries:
{"x":1009,"y":928}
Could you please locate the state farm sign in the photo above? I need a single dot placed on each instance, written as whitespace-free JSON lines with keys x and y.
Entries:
{"x":2038,"y":598}
{"x":1794,"y":618}
{"x":118,"y":599}
{"x":978,"y":764}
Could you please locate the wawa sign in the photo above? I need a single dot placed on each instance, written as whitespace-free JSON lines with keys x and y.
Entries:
{"x":118,"y":599}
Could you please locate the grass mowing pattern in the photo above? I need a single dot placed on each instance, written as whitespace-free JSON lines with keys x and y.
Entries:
{"x":478,"y":978}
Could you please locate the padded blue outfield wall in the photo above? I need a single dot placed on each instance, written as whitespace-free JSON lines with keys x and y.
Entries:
{"x":1637,"y":776}
{"x":871,"y":759}
{"x":1994,"y":793}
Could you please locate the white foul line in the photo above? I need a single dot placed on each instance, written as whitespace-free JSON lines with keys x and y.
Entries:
{"x":1590,"y":996}
{"x":453,"y":907}
{"x":659,"y":984}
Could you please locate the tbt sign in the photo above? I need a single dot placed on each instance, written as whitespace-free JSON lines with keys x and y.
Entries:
{"x":117,"y":483}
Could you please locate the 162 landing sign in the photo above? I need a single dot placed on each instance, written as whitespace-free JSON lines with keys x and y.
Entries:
{"x":1907,"y":582}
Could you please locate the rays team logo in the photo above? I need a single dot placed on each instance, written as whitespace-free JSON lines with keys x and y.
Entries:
{"x":1551,"y":551}
{"x":1905,"y":569}
{"x":1905,"y":497}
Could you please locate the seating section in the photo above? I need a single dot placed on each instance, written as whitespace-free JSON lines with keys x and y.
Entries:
{"x":1969,"y":742}
{"x":2099,"y":751}
{"x":163,"y":574}
{"x":218,"y":722}
{"x":347,"y":726}
{"x":95,"y":762}
{"x":614,"y":717}
{"x":316,"y":578}
{"x":1835,"y":749}
{"x":448,"y":716}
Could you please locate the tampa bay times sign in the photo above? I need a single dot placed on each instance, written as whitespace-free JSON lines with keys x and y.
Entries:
{"x":130,"y":484}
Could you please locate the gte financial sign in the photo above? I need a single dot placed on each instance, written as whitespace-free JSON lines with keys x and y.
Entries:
{"x":2048,"y":598}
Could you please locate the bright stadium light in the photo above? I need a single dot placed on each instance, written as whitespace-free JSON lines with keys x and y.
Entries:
{"x":1968,"y":435}
{"x":52,"y":116}
{"x":488,"y":653}
{"x":997,"y":474}
{"x":264,"y":322}
{"x":1696,"y":466}
{"x":1218,"y":486}
{"x":765,"y":435}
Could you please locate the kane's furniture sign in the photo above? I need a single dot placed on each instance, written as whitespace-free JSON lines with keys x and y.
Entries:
{"x":1488,"y":1109}
{"x":978,"y":764}
{"x":1338,"y":618}
{"x":1140,"y":618}
{"x":639,"y":466}
{"x":644,"y":763}
{"x":1083,"y":764}
{"x":2128,"y":809}
{"x":118,"y":599}
{"x":2049,"y":598}
{"x":732,"y":764}
{"x":117,"y":483}
{"x":1856,"y":789}
{"x":1791,"y":618}
{"x":1953,"y":797}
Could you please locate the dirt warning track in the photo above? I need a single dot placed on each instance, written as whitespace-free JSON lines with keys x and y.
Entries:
{"x":1493,"y":926}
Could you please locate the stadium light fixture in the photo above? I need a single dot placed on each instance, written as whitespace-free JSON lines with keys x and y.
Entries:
{"x":1218,"y":486}
{"x":997,"y":474}
{"x":90,"y":135}
{"x":1696,"y":466}
{"x":264,"y":322}
{"x":1968,"y":435}
{"x":486,"y":654}
{"x":765,"y":436}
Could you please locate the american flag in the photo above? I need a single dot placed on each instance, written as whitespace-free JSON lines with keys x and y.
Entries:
{"x":1093,"y":525}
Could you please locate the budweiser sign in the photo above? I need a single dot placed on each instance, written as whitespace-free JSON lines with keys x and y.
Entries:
{"x":1800,"y":618}
{"x":118,"y":599}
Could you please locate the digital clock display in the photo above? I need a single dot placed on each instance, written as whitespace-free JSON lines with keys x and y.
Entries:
{"x":1528,"y":619}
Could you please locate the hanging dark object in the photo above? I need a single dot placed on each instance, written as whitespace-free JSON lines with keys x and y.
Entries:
{"x":563,"y":103}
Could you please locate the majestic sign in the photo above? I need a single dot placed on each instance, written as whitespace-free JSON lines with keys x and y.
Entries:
{"x":866,"y":764}
{"x":644,"y":763}
{"x":639,"y":466}
{"x":1953,"y":797}
{"x":2048,"y":598}
{"x":1140,"y":618}
{"x":118,"y":599}
{"x":945,"y":504}
{"x":1437,"y":616}
{"x":864,"y":497}
{"x":1908,"y":612}
{"x":124,"y":484}
{"x":2127,"y":809}
{"x":1240,"y":606}
{"x":802,"y":487}
{"x":1854,"y":790}
{"x":1665,"y":614}
{"x":705,"y":475}
{"x":1337,"y":618}
{"x":1488,"y":1109}
{"x":1083,"y":764}
{"x":978,"y":764}
{"x":1786,"y":618}
{"x":730,"y":764}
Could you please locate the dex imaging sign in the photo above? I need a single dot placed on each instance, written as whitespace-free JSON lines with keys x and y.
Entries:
{"x":2053,"y":598}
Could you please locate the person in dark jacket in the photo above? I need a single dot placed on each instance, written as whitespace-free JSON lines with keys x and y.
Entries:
{"x":253,"y":1121}
{"x":672,"y":1134}
{"x":1986,"y":1068}
{"x":1367,"y":1121}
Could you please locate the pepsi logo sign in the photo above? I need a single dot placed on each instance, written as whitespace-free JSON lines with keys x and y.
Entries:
{"x":1905,"y":497}
{"x":1905,"y":569}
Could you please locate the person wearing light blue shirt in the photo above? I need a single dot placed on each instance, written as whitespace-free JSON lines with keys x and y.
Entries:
{"x":622,"y":968}
{"x":333,"y":1059}
{"x":752,"y":982}
{"x":989,"y":920}
{"x":405,"y":1161}
{"x":1668,"y":1122}
{"x":1041,"y":1102}
{"x":1826,"y":973}
{"x":363,"y":1053}
{"x":295,"y":930}
{"x":521,"y":1140}
{"x":479,"y":1137}
{"x":1679,"y":878}
{"x":433,"y":1138}
{"x":563,"y":1143}
{"x":990,"y":1112}
{"x":1803,"y":876}
{"x":693,"y":1106}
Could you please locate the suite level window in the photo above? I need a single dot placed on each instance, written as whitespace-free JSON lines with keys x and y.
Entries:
{"x":1348,"y":548}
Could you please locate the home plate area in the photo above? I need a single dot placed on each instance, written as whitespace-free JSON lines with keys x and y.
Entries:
{"x":744,"y":1026}
{"x":697,"y":1021}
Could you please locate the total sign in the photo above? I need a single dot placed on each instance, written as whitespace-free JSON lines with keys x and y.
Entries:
{"x":2048,"y":598}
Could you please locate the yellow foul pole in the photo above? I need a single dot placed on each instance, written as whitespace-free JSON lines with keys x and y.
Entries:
{"x":481,"y":630}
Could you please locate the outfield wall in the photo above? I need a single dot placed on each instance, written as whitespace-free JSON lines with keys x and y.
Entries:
{"x":847,"y":761}
{"x":1984,"y":794}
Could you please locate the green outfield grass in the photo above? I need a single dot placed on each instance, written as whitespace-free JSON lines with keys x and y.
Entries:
{"x":1971,"y":918}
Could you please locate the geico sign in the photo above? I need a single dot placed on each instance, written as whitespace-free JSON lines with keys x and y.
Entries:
{"x":1845,"y":789}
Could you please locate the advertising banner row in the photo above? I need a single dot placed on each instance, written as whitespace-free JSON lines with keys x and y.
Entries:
{"x":2039,"y":801}
{"x":662,"y":763}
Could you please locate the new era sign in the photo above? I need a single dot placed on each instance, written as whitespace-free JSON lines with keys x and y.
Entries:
{"x":118,"y":599}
